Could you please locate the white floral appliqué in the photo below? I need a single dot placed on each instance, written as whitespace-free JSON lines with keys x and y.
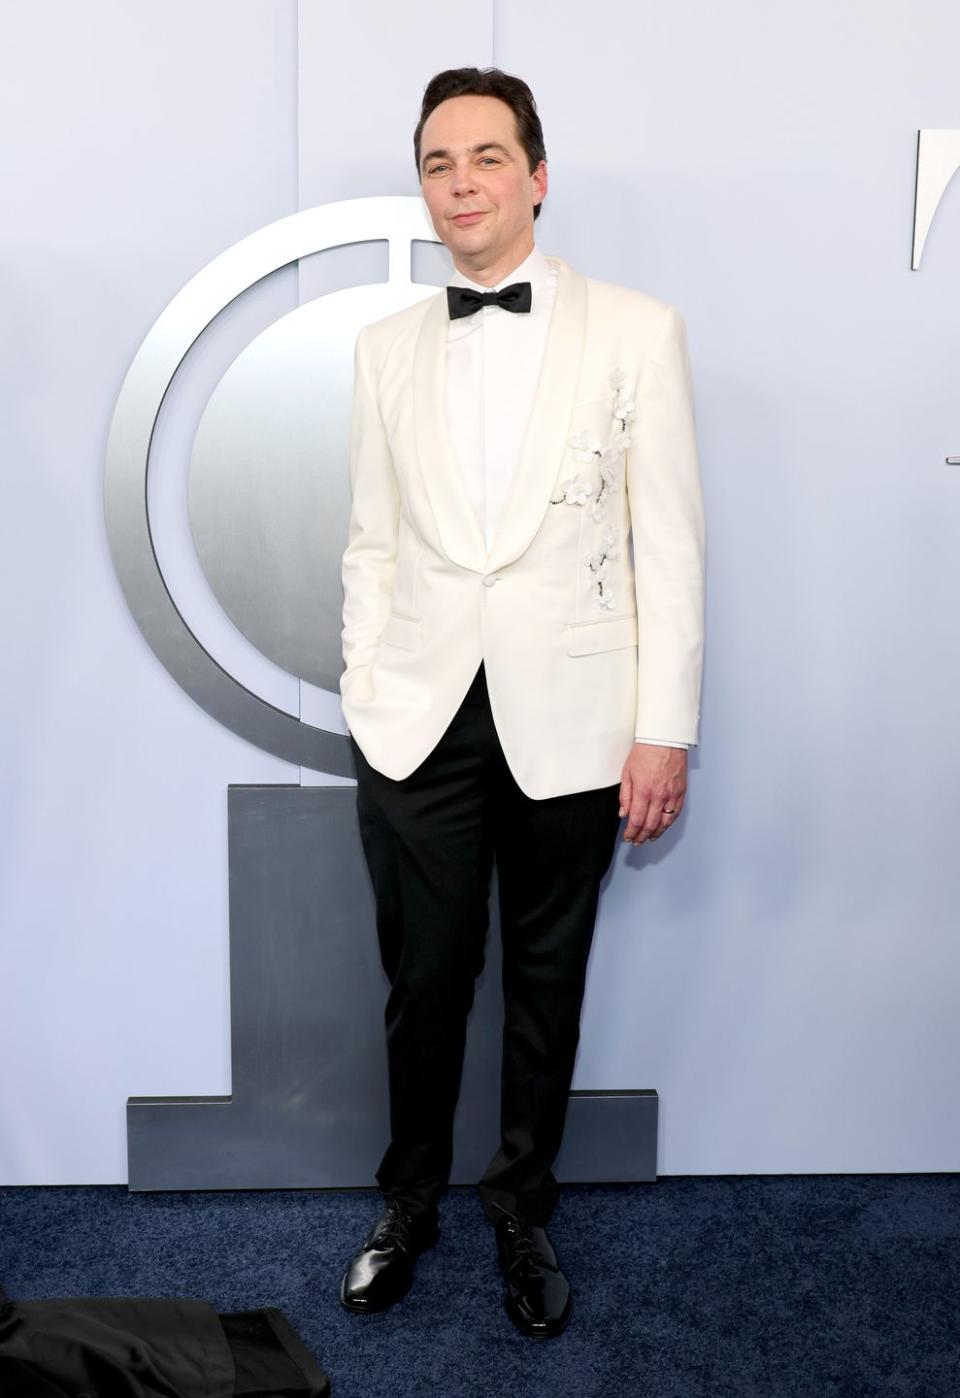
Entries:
{"x":580,"y":490}
{"x":599,"y":564}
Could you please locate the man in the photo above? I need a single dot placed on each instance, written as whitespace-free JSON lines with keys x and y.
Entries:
{"x":515,"y":681}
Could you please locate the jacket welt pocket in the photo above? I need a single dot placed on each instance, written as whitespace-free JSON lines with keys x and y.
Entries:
{"x":403,"y":631}
{"x":587,"y":637}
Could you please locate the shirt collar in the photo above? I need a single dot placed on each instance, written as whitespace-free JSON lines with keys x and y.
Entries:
{"x":533,"y":269}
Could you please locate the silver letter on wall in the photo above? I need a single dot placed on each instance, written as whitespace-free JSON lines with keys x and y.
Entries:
{"x":938,"y":159}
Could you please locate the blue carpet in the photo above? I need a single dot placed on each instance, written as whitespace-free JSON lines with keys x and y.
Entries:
{"x":779,"y":1286}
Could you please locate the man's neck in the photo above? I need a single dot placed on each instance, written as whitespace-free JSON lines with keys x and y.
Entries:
{"x":489,"y":274}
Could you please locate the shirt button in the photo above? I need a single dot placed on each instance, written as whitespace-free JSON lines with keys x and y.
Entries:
{"x":490,"y":579}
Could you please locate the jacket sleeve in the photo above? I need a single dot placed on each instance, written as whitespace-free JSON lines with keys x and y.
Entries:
{"x":667,"y":522}
{"x":369,"y":560}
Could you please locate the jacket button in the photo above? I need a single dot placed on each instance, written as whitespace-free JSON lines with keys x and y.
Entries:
{"x":490,"y":579}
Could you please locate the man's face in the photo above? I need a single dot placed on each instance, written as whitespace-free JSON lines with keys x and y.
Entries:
{"x":475,"y":179}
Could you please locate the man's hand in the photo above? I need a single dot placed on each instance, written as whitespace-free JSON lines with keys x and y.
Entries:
{"x":652,"y":790}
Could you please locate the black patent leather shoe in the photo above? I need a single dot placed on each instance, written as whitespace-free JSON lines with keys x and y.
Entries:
{"x":382,"y":1271}
{"x":537,"y":1297}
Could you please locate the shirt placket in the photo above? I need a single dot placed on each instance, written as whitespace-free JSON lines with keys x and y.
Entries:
{"x":485,"y":360}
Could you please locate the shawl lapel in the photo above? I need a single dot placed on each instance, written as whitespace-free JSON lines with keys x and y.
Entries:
{"x":543,"y":443}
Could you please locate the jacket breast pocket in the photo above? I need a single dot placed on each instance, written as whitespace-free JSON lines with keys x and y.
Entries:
{"x":403,"y":631}
{"x":588,"y":637}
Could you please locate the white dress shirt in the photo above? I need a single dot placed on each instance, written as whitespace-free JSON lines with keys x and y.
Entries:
{"x":493,"y":364}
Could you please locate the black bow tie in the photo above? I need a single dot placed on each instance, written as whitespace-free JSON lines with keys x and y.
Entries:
{"x":463,"y":301}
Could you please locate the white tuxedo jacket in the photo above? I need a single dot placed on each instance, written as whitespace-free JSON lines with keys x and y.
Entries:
{"x":583,"y":645}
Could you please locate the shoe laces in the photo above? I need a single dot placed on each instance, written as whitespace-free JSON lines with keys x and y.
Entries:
{"x":523,"y":1248}
{"x":397,"y":1227}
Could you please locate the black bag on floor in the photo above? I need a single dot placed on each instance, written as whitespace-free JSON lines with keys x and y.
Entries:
{"x":151,"y":1347}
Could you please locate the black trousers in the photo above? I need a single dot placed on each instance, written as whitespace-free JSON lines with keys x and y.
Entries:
{"x":429,"y":842}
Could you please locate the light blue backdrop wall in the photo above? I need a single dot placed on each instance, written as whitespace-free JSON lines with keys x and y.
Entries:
{"x":785,"y":967}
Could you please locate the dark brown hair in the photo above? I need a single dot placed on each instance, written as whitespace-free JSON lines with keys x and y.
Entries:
{"x":487,"y":82}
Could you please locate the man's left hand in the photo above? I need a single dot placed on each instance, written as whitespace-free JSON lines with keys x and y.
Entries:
{"x":652,"y":790}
